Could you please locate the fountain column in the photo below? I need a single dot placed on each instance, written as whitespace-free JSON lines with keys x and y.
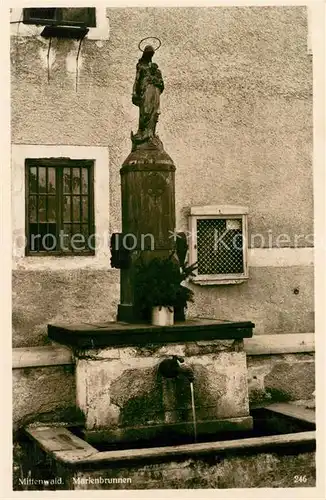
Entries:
{"x":148,"y":215}
{"x":147,"y":188}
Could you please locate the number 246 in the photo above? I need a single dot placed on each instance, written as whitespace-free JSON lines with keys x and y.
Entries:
{"x":300,"y":479}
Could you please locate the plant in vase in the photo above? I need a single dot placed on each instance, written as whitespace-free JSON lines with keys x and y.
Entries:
{"x":184,"y":295}
{"x":158,"y":289}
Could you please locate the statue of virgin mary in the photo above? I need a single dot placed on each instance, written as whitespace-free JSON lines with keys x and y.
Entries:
{"x":146,"y":93}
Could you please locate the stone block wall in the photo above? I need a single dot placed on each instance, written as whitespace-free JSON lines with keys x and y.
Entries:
{"x":49,"y":392}
{"x":282,"y":377}
{"x":42,"y":393}
{"x":121,"y":388}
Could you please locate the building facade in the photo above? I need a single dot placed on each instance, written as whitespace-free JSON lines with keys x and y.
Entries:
{"x":236,"y":117}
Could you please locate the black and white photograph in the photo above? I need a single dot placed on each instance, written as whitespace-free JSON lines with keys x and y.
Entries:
{"x":163,"y":232}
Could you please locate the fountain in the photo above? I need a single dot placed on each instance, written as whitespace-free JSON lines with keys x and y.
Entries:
{"x":165,"y":406}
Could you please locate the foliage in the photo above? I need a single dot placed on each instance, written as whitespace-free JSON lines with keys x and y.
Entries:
{"x":158,"y":283}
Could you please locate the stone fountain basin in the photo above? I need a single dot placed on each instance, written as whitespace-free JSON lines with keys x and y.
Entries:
{"x":119,"y":385}
{"x":278,"y":452}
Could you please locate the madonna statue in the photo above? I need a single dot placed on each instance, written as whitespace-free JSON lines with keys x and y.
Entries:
{"x":146,"y":93}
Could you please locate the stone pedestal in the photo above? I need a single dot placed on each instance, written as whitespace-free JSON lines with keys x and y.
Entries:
{"x":125,"y":398}
{"x":121,"y":388}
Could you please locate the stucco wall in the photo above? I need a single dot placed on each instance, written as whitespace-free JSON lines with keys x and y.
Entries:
{"x":236,"y":119}
{"x":43,"y":297}
{"x":267,"y":299}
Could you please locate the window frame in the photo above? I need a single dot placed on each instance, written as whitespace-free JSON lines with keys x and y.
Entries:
{"x":58,"y":21}
{"x":19,"y":29}
{"x":60,"y":163}
{"x":218,"y":212}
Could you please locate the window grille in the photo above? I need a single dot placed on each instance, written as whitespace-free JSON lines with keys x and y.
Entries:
{"x":218,"y":237}
{"x":219,"y":248}
{"x":59,"y":206}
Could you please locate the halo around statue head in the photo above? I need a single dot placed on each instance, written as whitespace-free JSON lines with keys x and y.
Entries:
{"x":141,"y":45}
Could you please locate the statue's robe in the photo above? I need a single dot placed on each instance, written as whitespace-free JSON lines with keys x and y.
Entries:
{"x":146,"y":94}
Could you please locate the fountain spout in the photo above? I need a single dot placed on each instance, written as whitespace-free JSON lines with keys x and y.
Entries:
{"x":175,"y":367}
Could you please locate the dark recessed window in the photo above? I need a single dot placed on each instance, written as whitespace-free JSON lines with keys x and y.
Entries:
{"x":59,"y":207}
{"x":61,"y":16}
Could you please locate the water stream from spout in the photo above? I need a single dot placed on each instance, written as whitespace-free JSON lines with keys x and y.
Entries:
{"x":193,"y":410}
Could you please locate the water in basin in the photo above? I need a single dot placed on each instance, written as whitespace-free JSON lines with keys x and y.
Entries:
{"x":266,"y":423}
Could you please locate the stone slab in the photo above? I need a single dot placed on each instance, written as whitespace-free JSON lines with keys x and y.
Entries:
{"x":294,"y":411}
{"x":97,"y":459}
{"x":264,"y":442}
{"x":23,"y":357}
{"x":280,"y":343}
{"x":58,"y":439}
{"x":114,"y":333}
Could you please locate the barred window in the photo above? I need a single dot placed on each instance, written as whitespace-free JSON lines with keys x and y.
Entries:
{"x":59,"y":207}
{"x":219,"y":246}
{"x":218,"y":239}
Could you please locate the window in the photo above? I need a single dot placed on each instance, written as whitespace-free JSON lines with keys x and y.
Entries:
{"x":218,"y":244}
{"x":59,"y":206}
{"x":64,"y":23}
{"x":60,"y":16}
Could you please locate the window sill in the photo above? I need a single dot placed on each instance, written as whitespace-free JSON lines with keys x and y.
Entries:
{"x":60,"y":254}
{"x":205,"y":281}
{"x":65,"y":32}
{"x":63,"y":263}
